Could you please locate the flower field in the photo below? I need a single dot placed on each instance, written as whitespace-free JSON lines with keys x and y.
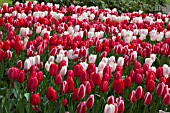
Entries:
{"x":58,"y":59}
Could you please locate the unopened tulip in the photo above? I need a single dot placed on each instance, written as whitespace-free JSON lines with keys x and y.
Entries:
{"x":53,"y":69}
{"x":63,"y":71}
{"x":32,"y":84}
{"x":81,"y":108}
{"x":139,"y":93}
{"x":109,"y":108}
{"x":166,"y":99}
{"x":120,"y":61}
{"x":19,"y":64}
{"x":77,"y":69}
{"x":92,"y":58}
{"x":127,"y":82}
{"x":150,"y":85}
{"x":70,"y":82}
{"x":118,"y":86}
{"x":103,"y":86}
{"x":110,"y":100}
{"x":21,"y":76}
{"x":132,"y":97}
{"x":96,"y":79}
{"x":35,"y":99}
{"x":160,"y":88}
{"x":147,"y":99}
{"x":121,"y":106}
{"x":27,"y":64}
{"x":91,"y":68}
{"x":58,"y":79}
{"x":51,"y":94}
{"x":65,"y":102}
{"x":90,"y":101}
{"x":64,"y":87}
{"x":83,"y":76}
{"x":82,"y":91}
{"x":13,"y":73}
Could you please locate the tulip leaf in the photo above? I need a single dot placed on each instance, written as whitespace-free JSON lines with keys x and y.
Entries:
{"x":27,"y":96}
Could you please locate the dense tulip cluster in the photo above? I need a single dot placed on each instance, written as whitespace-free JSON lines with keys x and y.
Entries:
{"x":82,"y":59}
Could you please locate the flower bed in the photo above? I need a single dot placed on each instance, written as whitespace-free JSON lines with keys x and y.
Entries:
{"x":83,"y":59}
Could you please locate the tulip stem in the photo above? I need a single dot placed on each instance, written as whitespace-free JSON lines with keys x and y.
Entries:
{"x":145,"y":111}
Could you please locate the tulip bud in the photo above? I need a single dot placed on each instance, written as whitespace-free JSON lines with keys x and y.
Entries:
{"x":120,"y":61}
{"x":96,"y":79}
{"x":75,"y":95}
{"x":118,"y":86}
{"x":27,"y":64}
{"x":65,"y":102}
{"x":13,"y":73}
{"x":21,"y":76}
{"x":91,"y":68}
{"x":92,"y":58}
{"x":147,"y":99}
{"x":58,"y":80}
{"x":70,"y":82}
{"x":166,"y":99}
{"x":168,"y":81}
{"x":127,"y":82}
{"x":63,"y":71}
{"x":165,"y":91}
{"x":8,"y":55}
{"x":64,"y":87}
{"x":90,"y":101}
{"x":77,"y":69}
{"x":121,"y":106}
{"x":132,"y":97}
{"x":83,"y":76}
{"x":109,"y":108}
{"x":139,"y":93}
{"x":110,"y":100}
{"x":150,"y":85}
{"x":160,"y":88}
{"x":35,"y":99}
{"x":138,"y":79}
{"x":19,"y":64}
{"x":81,"y":108}
{"x":32,"y":84}
{"x":117,"y":75}
{"x":159,"y":72}
{"x":53,"y":69}
{"x":40,"y":76}
{"x":103,"y":86}
{"x":82,"y":91}
{"x":51,"y":94}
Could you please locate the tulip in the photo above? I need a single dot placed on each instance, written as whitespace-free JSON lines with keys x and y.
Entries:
{"x":91,"y":68}
{"x":150,"y":85}
{"x":117,"y":75}
{"x":81,"y":108}
{"x":64,"y":87}
{"x":166,"y":99}
{"x":53,"y":69}
{"x":51,"y":94}
{"x":27,"y":64}
{"x":32,"y":84}
{"x":58,"y":79}
{"x":121,"y":106}
{"x":132,"y":97}
{"x":63,"y":71}
{"x":96,"y":79}
{"x":65,"y":102}
{"x":139,"y":93}
{"x":35,"y":99}
{"x":82,"y":91}
{"x":160,"y":88}
{"x":21,"y":76}
{"x":13,"y":73}
{"x":40,"y":76}
{"x":118,"y":86}
{"x":8,"y":55}
{"x":19,"y":64}
{"x":159,"y":72}
{"x":109,"y":108}
{"x":70,"y":82}
{"x":77,"y":69}
{"x":138,"y":79}
{"x":127,"y":82}
{"x":90,"y":101}
{"x":107,"y":70}
{"x":110,"y":100}
{"x":103,"y":86}
{"x":147,"y":99}
{"x":120,"y":61}
{"x":75,"y":95}
{"x":83,"y":76}
{"x":168,"y":81}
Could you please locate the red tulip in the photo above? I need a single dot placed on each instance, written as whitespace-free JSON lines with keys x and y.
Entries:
{"x":104,"y":86}
{"x":137,"y":65}
{"x":40,"y":76}
{"x":127,"y":82}
{"x":165,"y":91}
{"x":91,"y":68}
{"x":13,"y":73}
{"x":70,"y":73}
{"x":1,"y":55}
{"x":8,"y":55}
{"x":159,"y":72}
{"x":51,"y":94}
{"x":77,"y":69}
{"x":75,"y":95}
{"x":107,"y":70}
{"x":106,"y":77}
{"x":87,"y":86}
{"x":139,"y":93}
{"x":61,"y":64}
{"x":90,"y":101}
{"x":81,"y":108}
{"x":21,"y":76}
{"x":118,"y":86}
{"x":121,"y":106}
{"x":96,"y":79}
{"x":83,"y":76}
{"x":65,"y":102}
{"x":7,"y":45}
{"x":160,"y":88}
{"x":168,"y":81}
{"x":147,"y":99}
{"x":138,"y":79}
{"x":33,"y":68}
{"x":32,"y":83}
{"x":35,"y":99}
{"x":58,"y":79}
{"x":70,"y":82}
{"x":82,"y":91}
{"x":132,"y":97}
{"x":166,"y":99}
{"x":117,"y":75}
{"x":110,"y":100}
{"x":53,"y":69}
{"x":162,"y":79}
{"x":150,"y":85}
{"x":64,"y":87}
{"x":19,"y":64}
